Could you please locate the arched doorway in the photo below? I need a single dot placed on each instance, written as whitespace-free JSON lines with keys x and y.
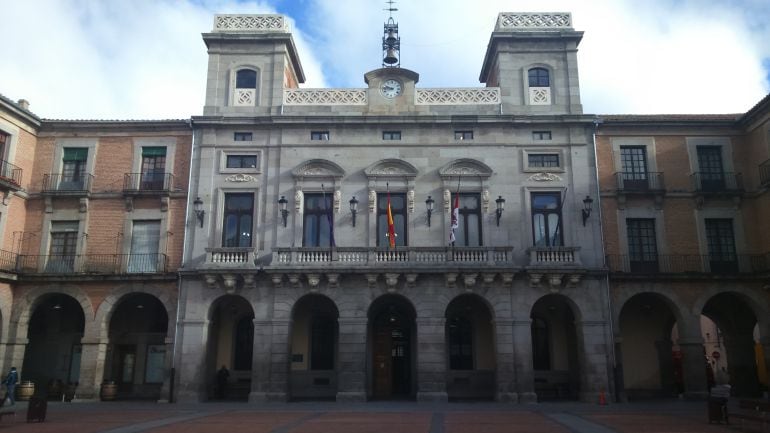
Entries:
{"x":52,"y":356}
{"x":313,"y":359}
{"x":650,"y":366}
{"x":735,"y":323}
{"x":470,"y":346}
{"x":230,"y":345}
{"x":392,"y":333}
{"x":136,"y":352}
{"x":554,"y":349}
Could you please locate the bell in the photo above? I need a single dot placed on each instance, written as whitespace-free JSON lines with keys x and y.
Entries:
{"x":391,"y":39}
{"x":390,"y":57}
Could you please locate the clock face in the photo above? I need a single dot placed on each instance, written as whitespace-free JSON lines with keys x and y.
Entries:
{"x":390,"y":88}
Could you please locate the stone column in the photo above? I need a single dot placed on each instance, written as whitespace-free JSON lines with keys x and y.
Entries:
{"x":742,"y":366}
{"x":279,"y":361}
{"x":592,"y":351}
{"x":261,"y":361}
{"x":693,"y":368}
{"x":15,"y":349}
{"x":620,"y":380}
{"x":93,"y":354}
{"x":168,"y":363}
{"x":505,"y":372}
{"x":521,"y":331}
{"x":192,"y":344}
{"x":351,"y":366}
{"x":666,"y":366}
{"x":431,"y":359}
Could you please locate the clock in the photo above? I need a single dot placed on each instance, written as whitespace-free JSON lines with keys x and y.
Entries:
{"x":390,"y":88}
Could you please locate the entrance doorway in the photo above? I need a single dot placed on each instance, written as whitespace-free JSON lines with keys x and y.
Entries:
{"x":392,"y":331}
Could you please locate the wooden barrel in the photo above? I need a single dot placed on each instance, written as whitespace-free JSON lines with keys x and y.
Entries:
{"x":109,"y":391}
{"x":25,"y":390}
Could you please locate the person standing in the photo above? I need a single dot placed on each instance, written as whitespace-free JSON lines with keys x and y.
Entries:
{"x":10,"y":385}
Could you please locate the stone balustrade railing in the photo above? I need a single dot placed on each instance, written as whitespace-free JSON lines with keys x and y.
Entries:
{"x":250,"y":23}
{"x":230,"y":256}
{"x":512,"y":21}
{"x":554,"y":256}
{"x":458,"y":96}
{"x":324,"y":97}
{"x":362,"y":256}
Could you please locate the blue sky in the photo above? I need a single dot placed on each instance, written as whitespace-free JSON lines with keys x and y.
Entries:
{"x":145,"y":58}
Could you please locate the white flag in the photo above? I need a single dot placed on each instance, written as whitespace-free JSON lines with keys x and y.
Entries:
{"x":455,"y":219}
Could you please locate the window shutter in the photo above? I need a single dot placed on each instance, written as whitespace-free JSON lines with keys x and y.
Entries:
{"x":75,"y":154}
{"x":153,"y":151}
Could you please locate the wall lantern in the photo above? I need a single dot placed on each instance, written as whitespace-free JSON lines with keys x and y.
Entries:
{"x":283,"y":203}
{"x":500,"y":207}
{"x":429,"y":207}
{"x":587,"y":202}
{"x":354,"y":209}
{"x":198,"y":208}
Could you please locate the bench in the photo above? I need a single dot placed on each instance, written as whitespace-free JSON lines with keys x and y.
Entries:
{"x":752,"y":411}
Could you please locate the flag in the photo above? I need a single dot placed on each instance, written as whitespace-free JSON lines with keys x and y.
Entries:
{"x":391,"y":227}
{"x":455,"y":219}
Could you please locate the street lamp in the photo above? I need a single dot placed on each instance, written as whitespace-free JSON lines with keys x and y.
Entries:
{"x":429,"y":206}
{"x":500,"y":207}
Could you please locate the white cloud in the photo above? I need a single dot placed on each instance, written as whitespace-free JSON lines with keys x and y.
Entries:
{"x":145,"y":58}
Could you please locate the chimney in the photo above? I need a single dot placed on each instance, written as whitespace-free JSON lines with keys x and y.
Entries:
{"x":24,"y":104}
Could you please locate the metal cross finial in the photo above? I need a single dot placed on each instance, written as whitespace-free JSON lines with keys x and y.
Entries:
{"x":390,"y":7}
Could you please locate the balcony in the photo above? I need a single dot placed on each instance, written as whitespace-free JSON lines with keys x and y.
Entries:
{"x":640,"y":183}
{"x":557,"y":257}
{"x":689,"y":263}
{"x":10,"y":176}
{"x":717,"y":183}
{"x":7,"y":261}
{"x":67,"y":184}
{"x":230,"y":257}
{"x":764,"y":173}
{"x":97,"y":264}
{"x":414,"y":257}
{"x":147,"y":183}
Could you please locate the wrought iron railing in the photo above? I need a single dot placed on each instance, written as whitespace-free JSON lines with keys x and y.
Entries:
{"x":10,"y":173}
{"x":640,"y":181}
{"x":148,"y":182}
{"x":108,"y":264}
{"x":689,"y":263}
{"x":67,"y":183}
{"x":379,"y":256}
{"x":7,"y":261}
{"x":764,"y":173}
{"x":708,"y":182}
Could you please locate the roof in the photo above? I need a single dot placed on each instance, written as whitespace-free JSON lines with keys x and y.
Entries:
{"x":669,"y":117}
{"x":16,"y":107}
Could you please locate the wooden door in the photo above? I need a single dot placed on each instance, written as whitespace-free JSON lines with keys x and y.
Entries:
{"x":383,"y":372}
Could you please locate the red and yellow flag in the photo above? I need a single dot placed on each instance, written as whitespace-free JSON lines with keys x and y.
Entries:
{"x":391,"y":227}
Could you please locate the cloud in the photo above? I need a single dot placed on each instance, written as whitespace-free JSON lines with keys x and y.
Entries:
{"x":145,"y":58}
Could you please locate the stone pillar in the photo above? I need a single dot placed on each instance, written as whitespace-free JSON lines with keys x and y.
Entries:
{"x":351,"y":367}
{"x":15,"y":350}
{"x":192,"y":345}
{"x":620,"y":380}
{"x":279,"y":361}
{"x":165,"y":389}
{"x":431,"y":359}
{"x":521,"y":331}
{"x":261,"y":361}
{"x":592,"y":351}
{"x":93,"y":354}
{"x":741,"y":362}
{"x":693,"y":368}
{"x":505,"y":372}
{"x":666,"y":366}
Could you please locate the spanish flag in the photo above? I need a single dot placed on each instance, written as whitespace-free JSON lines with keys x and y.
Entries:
{"x":391,"y":227}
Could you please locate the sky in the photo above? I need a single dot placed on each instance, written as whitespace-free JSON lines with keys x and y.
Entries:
{"x":145,"y":59}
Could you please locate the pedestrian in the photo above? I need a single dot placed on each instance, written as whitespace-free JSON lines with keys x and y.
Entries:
{"x":10,"y":385}
{"x":222,"y":376}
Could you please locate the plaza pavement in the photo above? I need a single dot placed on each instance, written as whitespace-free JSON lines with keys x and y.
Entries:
{"x":374,"y":417}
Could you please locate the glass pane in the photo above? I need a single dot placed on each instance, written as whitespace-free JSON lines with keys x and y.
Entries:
{"x":310,"y":238}
{"x":553,"y":230}
{"x":246,"y":79}
{"x":460,"y":231}
{"x":231,"y":230}
{"x":545,"y":201}
{"x":474,"y":240}
{"x":469,"y":201}
{"x":245,"y":231}
{"x":382,"y":229}
{"x":399,"y":225}
{"x":538,"y":221}
{"x":324,"y":234}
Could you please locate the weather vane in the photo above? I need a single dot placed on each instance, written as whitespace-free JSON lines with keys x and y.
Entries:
{"x":391,"y":42}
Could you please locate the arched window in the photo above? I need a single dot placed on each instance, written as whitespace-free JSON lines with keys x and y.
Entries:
{"x":246,"y":79}
{"x":245,"y":91}
{"x":539,"y":77}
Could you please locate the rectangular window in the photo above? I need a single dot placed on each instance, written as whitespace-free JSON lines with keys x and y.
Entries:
{"x":463,"y":135}
{"x":63,"y":247}
{"x":241,"y":161}
{"x":541,"y":135}
{"x":145,"y":244}
{"x":238,"y":220}
{"x":543,"y":160}
{"x":468,"y":233}
{"x":73,"y":169}
{"x":642,"y":245}
{"x":391,"y":135}
{"x":153,"y":168}
{"x":319,"y":135}
{"x":398,"y":210}
{"x":711,"y":172}
{"x":721,"y":245}
{"x":633,"y":160}
{"x":317,"y":220}
{"x":546,"y":219}
{"x":243,"y":136}
{"x":4,"y":139}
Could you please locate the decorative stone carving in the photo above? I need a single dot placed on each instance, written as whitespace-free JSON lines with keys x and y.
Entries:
{"x":539,"y":96}
{"x":295,"y":281}
{"x":83,"y":205}
{"x":324,"y":97}
{"x":129,"y":202}
{"x":469,"y":280}
{"x":245,"y":97}
{"x":544,"y":177}
{"x":299,"y":198}
{"x":411,"y":280}
{"x":534,"y":279}
{"x":249,"y":281}
{"x":523,"y":20}
{"x":507,"y":277}
{"x":211,"y":280}
{"x":230,"y":282}
{"x":485,"y":201}
{"x":410,"y":201}
{"x":391,"y":279}
{"x":371,"y":280}
{"x":251,"y":23}
{"x":447,"y":200}
{"x":458,"y":96}
{"x":372,"y":201}
{"x":554,"y":280}
{"x":574,"y":280}
{"x":312,"y":281}
{"x":334,"y":280}
{"x":48,"y":204}
{"x":337,"y":200}
{"x":391,"y":168}
{"x":240,"y":177}
{"x":488,"y":278}
{"x":315,"y":168}
{"x":451,"y":279}
{"x":277,"y":280}
{"x":164,"y":204}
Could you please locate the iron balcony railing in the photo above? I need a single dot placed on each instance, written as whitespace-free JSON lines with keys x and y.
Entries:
{"x":723,"y":264}
{"x":102,"y":264}
{"x":649,"y":181}
{"x":715,"y":182}
{"x":67,"y":183}
{"x":379,"y":256}
{"x":10,"y":173}
{"x":764,"y":173}
{"x":148,"y":182}
{"x":7,"y":261}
